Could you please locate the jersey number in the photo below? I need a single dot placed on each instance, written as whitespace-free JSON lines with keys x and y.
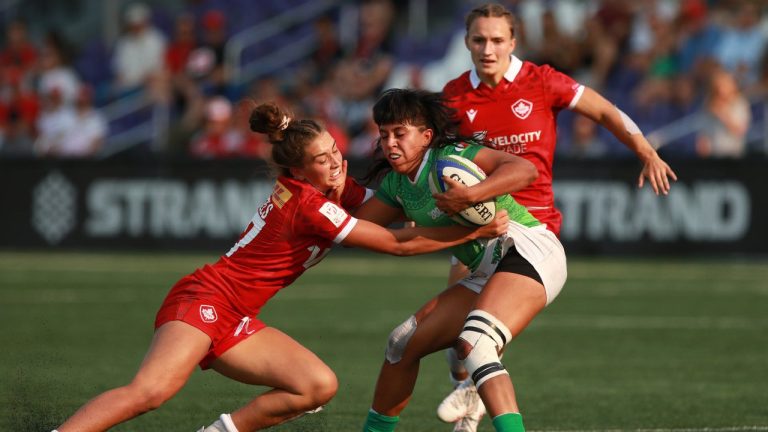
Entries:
{"x":316,"y":254}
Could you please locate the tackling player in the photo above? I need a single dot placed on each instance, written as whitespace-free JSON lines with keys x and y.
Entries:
{"x":513,"y":276}
{"x":210,"y":317}
{"x":513,"y":106}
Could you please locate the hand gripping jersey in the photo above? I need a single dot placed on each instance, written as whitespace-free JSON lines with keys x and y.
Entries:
{"x":416,"y":200}
{"x":292,"y":231}
{"x":518,"y":116}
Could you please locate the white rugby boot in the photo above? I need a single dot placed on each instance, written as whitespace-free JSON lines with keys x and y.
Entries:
{"x":470,"y":422}
{"x":463,"y":401}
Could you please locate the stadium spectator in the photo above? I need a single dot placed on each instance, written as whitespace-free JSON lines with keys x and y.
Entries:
{"x":511,"y":280}
{"x":216,"y":139}
{"x":607,"y":36}
{"x":362,"y":73}
{"x":19,"y":52}
{"x":187,"y":100}
{"x":727,"y":117}
{"x":206,"y":63}
{"x":19,"y":110}
{"x":322,"y":103}
{"x":585,"y":142}
{"x":252,"y":145}
{"x":741,"y":43}
{"x":56,"y":120}
{"x":364,"y":144}
{"x":697,"y":35}
{"x":55,"y":69}
{"x":139,"y":55}
{"x":210,"y":317}
{"x":181,"y":45}
{"x":514,"y":105}
{"x":87,"y":135}
{"x":327,"y":52}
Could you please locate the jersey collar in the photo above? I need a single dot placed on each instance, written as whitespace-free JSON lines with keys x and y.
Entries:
{"x":424,"y":163}
{"x":515,"y":64}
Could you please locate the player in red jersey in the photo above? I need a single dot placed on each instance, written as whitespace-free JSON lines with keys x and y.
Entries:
{"x":210,"y":317}
{"x":513,"y":104}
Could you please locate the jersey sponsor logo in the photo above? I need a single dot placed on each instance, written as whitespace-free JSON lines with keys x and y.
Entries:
{"x":516,"y":143}
{"x":471,"y":113}
{"x":522,"y":108}
{"x":436,"y":213}
{"x":243,"y":327}
{"x":265,"y":209}
{"x":480,"y":135}
{"x":208,"y":313}
{"x":334,"y":213}
{"x":281,"y":195}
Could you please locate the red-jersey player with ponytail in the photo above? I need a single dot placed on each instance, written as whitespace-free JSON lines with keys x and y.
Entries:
{"x":210,"y":317}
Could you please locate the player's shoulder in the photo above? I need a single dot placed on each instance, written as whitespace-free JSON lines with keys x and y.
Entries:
{"x":530,"y":70}
{"x":292,"y":193}
{"x":457,"y":86}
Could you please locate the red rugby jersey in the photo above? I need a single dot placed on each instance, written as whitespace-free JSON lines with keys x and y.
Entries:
{"x":519,"y":116}
{"x":292,"y":231}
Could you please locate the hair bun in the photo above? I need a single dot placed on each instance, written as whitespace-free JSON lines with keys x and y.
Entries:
{"x":284,"y":124}
{"x":269,"y":119}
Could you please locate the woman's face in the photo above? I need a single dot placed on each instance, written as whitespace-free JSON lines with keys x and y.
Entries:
{"x":322,"y":164}
{"x":490,"y":44}
{"x":404,"y":146}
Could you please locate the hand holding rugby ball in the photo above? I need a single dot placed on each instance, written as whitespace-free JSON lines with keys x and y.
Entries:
{"x":466,"y":172}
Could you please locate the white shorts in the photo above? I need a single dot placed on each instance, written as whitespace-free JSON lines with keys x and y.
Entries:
{"x":538,"y":245}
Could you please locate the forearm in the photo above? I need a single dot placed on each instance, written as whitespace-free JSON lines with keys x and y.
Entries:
{"x":506,"y":179}
{"x":609,"y":116}
{"x":410,"y":240}
{"x":421,"y":240}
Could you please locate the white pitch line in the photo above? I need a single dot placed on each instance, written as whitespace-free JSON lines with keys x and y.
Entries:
{"x":704,"y":429}
{"x":649,"y":322}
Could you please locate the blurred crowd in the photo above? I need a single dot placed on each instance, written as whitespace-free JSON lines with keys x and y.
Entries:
{"x":699,"y":64}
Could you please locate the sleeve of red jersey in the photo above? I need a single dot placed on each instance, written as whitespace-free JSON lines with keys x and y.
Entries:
{"x":354,"y":194}
{"x":563,"y":90}
{"x":321,"y":217}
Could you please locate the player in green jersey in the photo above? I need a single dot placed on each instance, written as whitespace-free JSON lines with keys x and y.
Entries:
{"x":513,"y":277}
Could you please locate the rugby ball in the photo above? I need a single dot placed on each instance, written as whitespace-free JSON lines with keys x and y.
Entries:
{"x":464,"y":171}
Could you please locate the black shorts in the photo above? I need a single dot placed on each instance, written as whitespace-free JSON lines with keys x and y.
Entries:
{"x":513,"y":262}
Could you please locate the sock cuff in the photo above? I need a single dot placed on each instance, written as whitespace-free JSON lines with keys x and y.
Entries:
{"x":388,"y":419}
{"x":509,"y":422}
{"x":228,"y":423}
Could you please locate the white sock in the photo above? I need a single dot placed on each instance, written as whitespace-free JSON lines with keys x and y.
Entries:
{"x":223,"y":424}
{"x":228,"y":423}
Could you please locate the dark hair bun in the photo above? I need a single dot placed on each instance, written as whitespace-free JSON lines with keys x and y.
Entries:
{"x":268,"y":118}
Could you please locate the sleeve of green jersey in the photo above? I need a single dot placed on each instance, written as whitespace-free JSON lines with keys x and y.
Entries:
{"x":386,"y":192}
{"x":470,"y":151}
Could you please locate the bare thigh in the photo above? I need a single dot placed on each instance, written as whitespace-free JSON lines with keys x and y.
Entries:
{"x":173,"y":355}
{"x":270,"y":358}
{"x":514,"y":299}
{"x":440,"y":320}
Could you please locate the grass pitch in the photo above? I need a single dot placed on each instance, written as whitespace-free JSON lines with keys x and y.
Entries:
{"x":630,"y":344}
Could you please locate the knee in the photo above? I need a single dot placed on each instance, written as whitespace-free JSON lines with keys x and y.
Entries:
{"x":399,"y":338}
{"x":321,"y":388}
{"x":149,"y":397}
{"x":479,"y":344}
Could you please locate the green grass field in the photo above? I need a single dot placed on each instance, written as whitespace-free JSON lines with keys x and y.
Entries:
{"x":630,"y":344}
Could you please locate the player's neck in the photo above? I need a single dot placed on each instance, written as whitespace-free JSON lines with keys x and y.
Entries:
{"x":491,"y":81}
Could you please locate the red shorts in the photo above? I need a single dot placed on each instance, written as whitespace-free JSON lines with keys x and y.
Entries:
{"x":195,"y":304}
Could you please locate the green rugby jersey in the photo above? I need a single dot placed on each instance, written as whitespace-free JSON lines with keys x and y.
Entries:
{"x":416,"y":200}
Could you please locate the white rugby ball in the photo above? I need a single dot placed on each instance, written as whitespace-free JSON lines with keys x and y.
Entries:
{"x":464,"y":171}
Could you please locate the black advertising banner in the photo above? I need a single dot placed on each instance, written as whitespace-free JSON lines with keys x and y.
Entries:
{"x":717,"y":207}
